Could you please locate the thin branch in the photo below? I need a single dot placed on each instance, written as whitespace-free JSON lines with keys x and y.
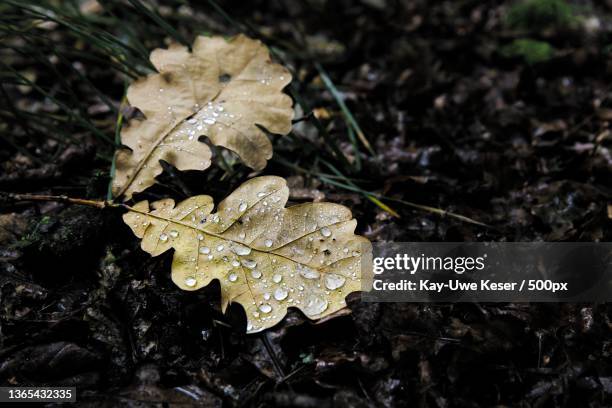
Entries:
{"x":56,"y":198}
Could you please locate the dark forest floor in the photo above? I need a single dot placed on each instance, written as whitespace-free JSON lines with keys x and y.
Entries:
{"x":461,"y":116}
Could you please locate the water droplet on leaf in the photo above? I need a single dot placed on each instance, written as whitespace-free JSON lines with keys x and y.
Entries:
{"x":315,"y":305}
{"x":265,"y":308}
{"x":308,"y":273}
{"x":334,"y":281}
{"x":249,"y":263}
{"x":241,"y":249}
{"x":280,"y":294}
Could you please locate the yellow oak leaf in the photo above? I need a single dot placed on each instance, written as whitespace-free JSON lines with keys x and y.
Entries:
{"x":266,"y":257}
{"x":223,"y":89}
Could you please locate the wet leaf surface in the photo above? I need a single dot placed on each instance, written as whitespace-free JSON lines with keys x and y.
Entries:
{"x":266,"y":257}
{"x":222,"y":90}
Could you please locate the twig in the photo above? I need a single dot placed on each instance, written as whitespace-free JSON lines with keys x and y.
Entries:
{"x":56,"y":198}
{"x":276,"y":363}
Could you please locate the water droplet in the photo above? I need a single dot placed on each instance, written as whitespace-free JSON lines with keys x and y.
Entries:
{"x":174,"y":233}
{"x":265,"y":308}
{"x":192,"y":121}
{"x":204,"y":250}
{"x":256,"y":314}
{"x":325,"y":232}
{"x":277,"y":278}
{"x":256,"y":274}
{"x":200,"y":237}
{"x":163,"y":237}
{"x":261,"y":194}
{"x":241,"y":249}
{"x":220,"y":247}
{"x":232,"y":277}
{"x":191,"y":282}
{"x":333,"y":281}
{"x":249,"y":326}
{"x":235,"y":263}
{"x":307,"y":272}
{"x":210,"y":257}
{"x":280,"y":293}
{"x":242,"y":235}
{"x":249,"y":263}
{"x":345,"y":250}
{"x":268,"y":243}
{"x":266,"y":296}
{"x":315,"y":305}
{"x":209,"y":121}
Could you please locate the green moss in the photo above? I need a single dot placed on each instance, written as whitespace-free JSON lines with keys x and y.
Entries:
{"x":45,"y":220}
{"x":538,"y":14}
{"x":307,"y":358}
{"x":531,"y":51}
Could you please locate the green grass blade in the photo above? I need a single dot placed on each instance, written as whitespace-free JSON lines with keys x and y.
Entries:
{"x":345,"y":110}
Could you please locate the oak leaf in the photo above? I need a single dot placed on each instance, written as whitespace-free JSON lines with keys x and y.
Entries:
{"x":266,"y":257}
{"x":223,"y":89}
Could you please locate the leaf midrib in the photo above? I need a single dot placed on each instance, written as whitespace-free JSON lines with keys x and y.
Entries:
{"x":234,"y":241}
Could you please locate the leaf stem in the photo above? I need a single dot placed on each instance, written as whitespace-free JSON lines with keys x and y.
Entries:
{"x":58,"y":198}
